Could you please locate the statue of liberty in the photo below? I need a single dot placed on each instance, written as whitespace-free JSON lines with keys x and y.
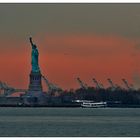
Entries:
{"x":34,"y":55}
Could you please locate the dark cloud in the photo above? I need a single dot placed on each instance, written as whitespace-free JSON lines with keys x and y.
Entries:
{"x":21,"y":20}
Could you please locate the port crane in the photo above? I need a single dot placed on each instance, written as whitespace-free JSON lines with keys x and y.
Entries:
{"x":98,"y":85}
{"x":127,"y":85}
{"x":7,"y":90}
{"x":118,"y":87}
{"x":51,"y":86}
{"x":113,"y":86}
{"x":82,"y":84}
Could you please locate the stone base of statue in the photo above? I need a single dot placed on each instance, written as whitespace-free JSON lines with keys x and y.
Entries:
{"x":35,"y":96}
{"x":35,"y":81}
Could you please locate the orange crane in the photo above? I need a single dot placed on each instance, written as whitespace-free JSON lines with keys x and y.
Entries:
{"x":51,"y":86}
{"x":98,"y":85}
{"x":127,"y":85}
{"x":113,"y":87}
{"x":7,"y":90}
{"x":82,"y":84}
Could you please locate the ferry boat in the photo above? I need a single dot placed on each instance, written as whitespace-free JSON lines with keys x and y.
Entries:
{"x":94,"y":104}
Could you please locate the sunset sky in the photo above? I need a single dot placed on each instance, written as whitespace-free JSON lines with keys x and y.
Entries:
{"x":74,"y":40}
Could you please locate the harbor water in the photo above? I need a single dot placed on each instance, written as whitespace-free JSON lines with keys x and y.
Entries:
{"x":69,"y":122}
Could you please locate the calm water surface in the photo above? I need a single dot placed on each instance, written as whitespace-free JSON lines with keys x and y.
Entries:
{"x":69,"y":122}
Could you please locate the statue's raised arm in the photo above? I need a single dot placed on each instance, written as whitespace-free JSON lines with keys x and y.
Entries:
{"x":31,"y":41}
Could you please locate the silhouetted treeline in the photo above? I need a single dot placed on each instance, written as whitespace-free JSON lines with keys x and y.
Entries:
{"x":124,"y":96}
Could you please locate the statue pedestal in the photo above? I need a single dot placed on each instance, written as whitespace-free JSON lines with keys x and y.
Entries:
{"x":35,"y":81}
{"x":35,"y":96}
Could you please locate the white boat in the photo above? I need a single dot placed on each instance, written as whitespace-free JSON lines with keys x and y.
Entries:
{"x":94,"y":104}
{"x":81,"y":101}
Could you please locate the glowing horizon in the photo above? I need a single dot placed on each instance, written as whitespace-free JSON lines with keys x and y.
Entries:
{"x":74,"y":40}
{"x":95,"y":56}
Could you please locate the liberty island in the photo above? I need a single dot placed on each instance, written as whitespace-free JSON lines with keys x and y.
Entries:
{"x":34,"y":95}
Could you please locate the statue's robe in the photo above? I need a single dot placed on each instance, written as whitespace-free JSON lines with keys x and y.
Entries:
{"x":35,"y":54}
